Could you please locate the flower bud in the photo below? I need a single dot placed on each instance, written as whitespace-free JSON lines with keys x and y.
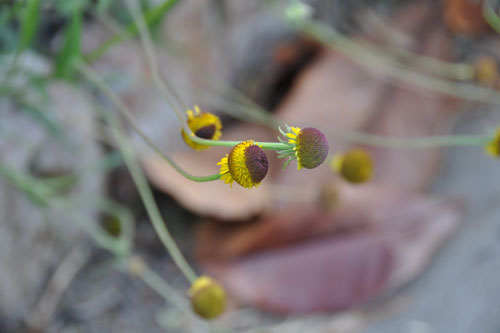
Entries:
{"x":493,"y":146}
{"x":355,"y":166}
{"x":486,"y":71}
{"x":208,"y":298}
{"x":204,"y":125}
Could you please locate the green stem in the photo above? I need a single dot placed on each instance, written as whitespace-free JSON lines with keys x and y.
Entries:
{"x":379,"y":63}
{"x":222,"y":143}
{"x":491,"y":17}
{"x":40,"y":193}
{"x":412,"y":143}
{"x":373,"y":140}
{"x":120,"y":248}
{"x":148,"y":199}
{"x":161,"y":82}
{"x":437,"y":67}
{"x":92,"y":76}
{"x":154,"y":281}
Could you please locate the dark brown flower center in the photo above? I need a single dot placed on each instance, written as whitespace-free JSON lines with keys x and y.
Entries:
{"x":206,"y":132}
{"x":256,"y":163}
{"x":312,"y":147}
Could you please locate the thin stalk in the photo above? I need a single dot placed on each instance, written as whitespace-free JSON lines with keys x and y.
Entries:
{"x":121,"y":248}
{"x":148,"y":199}
{"x":114,"y":26}
{"x":222,"y":143}
{"x":40,"y":193}
{"x":137,"y":267}
{"x":379,"y":63}
{"x":454,"y":71}
{"x":416,"y":143}
{"x":373,"y":140}
{"x":148,"y":46}
{"x":92,"y":76}
{"x":491,"y":17}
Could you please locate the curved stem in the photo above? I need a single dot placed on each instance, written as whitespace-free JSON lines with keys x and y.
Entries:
{"x":161,"y":82}
{"x":148,"y":199}
{"x":491,"y":17}
{"x":379,"y":63}
{"x":137,"y":267}
{"x":434,"y":66}
{"x":92,"y":76}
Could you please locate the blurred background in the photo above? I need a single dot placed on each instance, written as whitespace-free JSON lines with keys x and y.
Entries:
{"x":414,"y":249}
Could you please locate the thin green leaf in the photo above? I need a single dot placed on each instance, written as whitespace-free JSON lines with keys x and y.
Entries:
{"x":70,"y":51}
{"x":29,"y":26}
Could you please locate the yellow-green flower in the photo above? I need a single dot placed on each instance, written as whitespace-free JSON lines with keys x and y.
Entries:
{"x":204,"y":125}
{"x":308,"y":146}
{"x":355,"y":165}
{"x":493,"y":147}
{"x":246,"y":164}
{"x":486,"y":71}
{"x":207,"y":297}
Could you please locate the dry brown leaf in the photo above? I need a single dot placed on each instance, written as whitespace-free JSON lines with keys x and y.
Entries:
{"x":331,"y":93}
{"x":341,"y":270}
{"x":465,"y":17}
{"x":356,"y":207}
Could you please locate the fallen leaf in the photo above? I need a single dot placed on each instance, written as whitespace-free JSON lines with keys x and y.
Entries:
{"x":465,"y":17}
{"x":318,"y":276}
{"x":356,"y":207}
{"x":338,"y":271}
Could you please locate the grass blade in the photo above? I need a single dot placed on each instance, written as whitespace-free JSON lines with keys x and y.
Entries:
{"x":70,"y":51}
{"x":29,"y":26}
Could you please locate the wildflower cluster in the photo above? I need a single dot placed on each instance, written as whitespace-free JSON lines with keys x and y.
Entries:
{"x":247,"y":163}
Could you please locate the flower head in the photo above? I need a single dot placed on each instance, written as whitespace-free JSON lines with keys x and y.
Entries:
{"x":204,"y":125}
{"x":486,"y":71}
{"x":246,"y":164}
{"x":208,"y":298}
{"x":308,"y":146}
{"x":493,"y":146}
{"x":355,"y":165}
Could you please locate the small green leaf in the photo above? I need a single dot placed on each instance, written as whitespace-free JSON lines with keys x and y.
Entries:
{"x":70,"y":51}
{"x":29,"y":26}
